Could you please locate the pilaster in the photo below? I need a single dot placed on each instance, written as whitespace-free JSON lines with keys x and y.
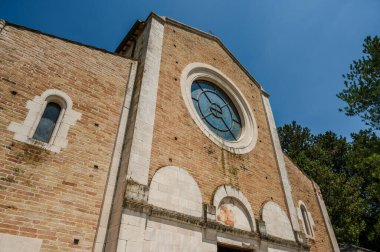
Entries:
{"x":281,"y":164}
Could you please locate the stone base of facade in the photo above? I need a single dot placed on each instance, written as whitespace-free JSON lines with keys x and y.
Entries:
{"x":145,"y":227}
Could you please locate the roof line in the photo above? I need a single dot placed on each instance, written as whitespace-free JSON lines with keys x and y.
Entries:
{"x":201,"y":33}
{"x":21,"y":27}
{"x":216,"y":39}
{"x":129,"y":35}
{"x":297,"y":166}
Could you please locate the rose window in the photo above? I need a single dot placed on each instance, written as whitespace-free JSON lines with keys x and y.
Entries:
{"x":216,"y":110}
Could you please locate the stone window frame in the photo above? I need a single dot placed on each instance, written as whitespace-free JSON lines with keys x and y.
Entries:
{"x":310,"y":220}
{"x":24,"y":131}
{"x":201,"y":71}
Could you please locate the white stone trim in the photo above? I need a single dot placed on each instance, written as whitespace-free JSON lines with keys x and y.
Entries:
{"x":281,"y":165}
{"x":300,"y":217}
{"x":326,"y":218}
{"x":24,"y":131}
{"x":173,"y":188}
{"x":229,"y":191}
{"x":139,"y":160}
{"x":248,"y":137}
{"x":16,"y":243}
{"x":115,"y":163}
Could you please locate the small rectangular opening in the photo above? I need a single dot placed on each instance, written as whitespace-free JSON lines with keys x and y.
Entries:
{"x":228,"y":248}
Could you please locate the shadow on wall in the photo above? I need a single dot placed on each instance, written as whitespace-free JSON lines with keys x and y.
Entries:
{"x":352,"y":248}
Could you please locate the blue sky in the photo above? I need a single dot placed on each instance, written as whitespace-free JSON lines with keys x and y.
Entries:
{"x":297,"y":49}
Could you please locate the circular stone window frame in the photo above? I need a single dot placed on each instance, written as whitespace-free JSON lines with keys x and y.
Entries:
{"x":201,"y":71}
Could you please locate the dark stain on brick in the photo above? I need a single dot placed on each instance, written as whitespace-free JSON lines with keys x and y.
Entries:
{"x":69,"y":183}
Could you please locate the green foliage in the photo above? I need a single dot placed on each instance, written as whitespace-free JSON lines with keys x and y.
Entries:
{"x":294,"y":139}
{"x":364,"y":162}
{"x":348,"y":174}
{"x":362,"y":92}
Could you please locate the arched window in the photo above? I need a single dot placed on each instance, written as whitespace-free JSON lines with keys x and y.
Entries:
{"x":48,"y":122}
{"x":306,"y":220}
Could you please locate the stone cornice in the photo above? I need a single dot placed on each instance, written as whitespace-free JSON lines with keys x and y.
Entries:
{"x":202,"y":222}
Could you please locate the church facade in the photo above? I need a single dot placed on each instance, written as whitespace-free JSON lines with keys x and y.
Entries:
{"x":167,"y":144}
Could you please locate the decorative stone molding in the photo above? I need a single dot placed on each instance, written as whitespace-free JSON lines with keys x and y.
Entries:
{"x":137,"y":191}
{"x":24,"y":131}
{"x":286,"y":243}
{"x":162,"y":213}
{"x":209,"y":212}
{"x":201,"y":71}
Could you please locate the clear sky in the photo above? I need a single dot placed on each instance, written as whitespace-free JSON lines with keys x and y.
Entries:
{"x":296,"y":49}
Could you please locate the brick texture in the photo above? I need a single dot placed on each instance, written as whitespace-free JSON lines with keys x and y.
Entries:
{"x":57,"y":197}
{"x":303,"y":190}
{"x":178,"y":141}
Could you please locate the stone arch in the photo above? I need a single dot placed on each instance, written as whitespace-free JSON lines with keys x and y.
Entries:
{"x":233,"y":208}
{"x":276,"y":221}
{"x":59,"y":96}
{"x":173,"y":188}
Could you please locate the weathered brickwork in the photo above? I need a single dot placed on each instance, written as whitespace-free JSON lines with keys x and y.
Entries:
{"x":138,"y":173}
{"x":303,"y":190}
{"x":57,"y":197}
{"x":178,"y":141}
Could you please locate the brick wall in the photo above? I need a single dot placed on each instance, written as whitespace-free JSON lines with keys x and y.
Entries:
{"x":303,"y":190}
{"x":57,"y":196}
{"x":178,"y":141}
